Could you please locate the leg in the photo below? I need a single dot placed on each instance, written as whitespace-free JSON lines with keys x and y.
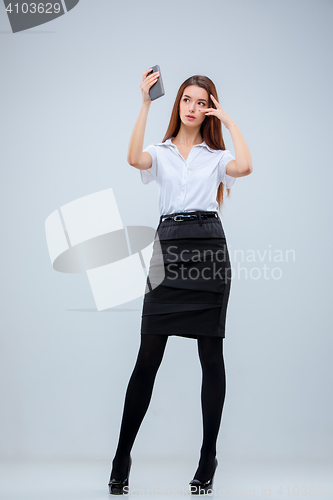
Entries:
{"x":137,"y":399}
{"x":212,"y":399}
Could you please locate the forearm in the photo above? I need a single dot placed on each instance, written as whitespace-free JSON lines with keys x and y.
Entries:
{"x":242,"y":152}
{"x":136,"y":141}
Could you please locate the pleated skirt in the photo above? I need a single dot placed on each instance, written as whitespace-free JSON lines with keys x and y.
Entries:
{"x":189,"y":279}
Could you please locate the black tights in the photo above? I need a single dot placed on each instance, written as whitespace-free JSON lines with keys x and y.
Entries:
{"x":139,"y":392}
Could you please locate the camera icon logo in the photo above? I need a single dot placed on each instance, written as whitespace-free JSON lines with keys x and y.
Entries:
{"x":87,"y":235}
{"x":23,"y":15}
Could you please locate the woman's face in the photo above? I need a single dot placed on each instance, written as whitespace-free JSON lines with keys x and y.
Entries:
{"x":192,"y":99}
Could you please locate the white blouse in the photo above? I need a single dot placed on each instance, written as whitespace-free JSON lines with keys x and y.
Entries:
{"x":187,"y":185}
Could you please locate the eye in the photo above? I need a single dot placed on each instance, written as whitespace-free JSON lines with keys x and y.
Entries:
{"x":200,"y":102}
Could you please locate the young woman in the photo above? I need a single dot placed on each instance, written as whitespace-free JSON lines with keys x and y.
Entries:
{"x":191,"y":167}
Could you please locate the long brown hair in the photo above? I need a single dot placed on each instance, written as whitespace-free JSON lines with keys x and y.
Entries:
{"x":211,"y":127}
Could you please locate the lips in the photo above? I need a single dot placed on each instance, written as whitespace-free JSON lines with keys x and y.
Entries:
{"x":190,"y":117}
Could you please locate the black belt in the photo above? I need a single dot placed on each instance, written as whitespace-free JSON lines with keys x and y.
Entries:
{"x":194,"y":216}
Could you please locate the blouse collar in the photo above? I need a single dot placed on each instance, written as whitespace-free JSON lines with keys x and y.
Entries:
{"x":202,"y":144}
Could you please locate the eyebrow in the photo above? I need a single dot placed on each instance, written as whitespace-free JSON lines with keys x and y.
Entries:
{"x":198,"y":99}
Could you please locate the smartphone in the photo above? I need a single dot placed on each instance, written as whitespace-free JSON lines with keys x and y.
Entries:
{"x":156,"y":90}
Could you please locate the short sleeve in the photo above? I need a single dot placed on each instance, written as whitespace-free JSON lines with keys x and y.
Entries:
{"x":227,"y":180}
{"x":150,"y":174}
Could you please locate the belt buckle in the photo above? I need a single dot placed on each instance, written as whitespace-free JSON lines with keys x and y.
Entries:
{"x":175,"y":218}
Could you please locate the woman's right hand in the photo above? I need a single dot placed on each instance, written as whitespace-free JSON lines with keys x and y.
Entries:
{"x":147,"y":82}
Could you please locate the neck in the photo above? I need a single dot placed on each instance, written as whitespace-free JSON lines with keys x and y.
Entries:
{"x":188,"y":136}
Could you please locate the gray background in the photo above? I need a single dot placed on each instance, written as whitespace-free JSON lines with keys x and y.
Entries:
{"x":70,"y":98}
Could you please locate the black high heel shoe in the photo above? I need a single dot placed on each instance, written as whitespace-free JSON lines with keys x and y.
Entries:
{"x":116,"y":486}
{"x":202,"y":487}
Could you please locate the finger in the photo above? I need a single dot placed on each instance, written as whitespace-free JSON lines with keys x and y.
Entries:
{"x":151,"y":77}
{"x":148,"y":83}
{"x":152,"y":83}
{"x":150,"y":71}
{"x":214,"y":100}
{"x":145,"y":74}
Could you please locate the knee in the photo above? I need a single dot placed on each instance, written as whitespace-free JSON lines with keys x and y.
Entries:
{"x":213,"y":362}
{"x":147,"y":366}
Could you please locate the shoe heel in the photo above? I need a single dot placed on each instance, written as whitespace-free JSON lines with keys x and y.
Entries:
{"x":198,"y":487}
{"x":116,"y":486}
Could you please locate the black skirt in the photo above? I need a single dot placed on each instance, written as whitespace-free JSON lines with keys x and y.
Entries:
{"x":189,"y":278}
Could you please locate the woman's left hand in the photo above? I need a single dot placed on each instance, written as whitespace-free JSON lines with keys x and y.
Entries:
{"x":218,"y":112}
